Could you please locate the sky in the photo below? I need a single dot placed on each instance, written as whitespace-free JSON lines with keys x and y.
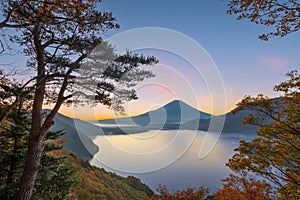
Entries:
{"x":247,"y":65}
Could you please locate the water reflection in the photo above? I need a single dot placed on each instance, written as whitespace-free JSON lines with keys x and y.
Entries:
{"x":167,"y":157}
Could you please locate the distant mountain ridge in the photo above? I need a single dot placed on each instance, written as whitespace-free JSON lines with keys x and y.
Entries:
{"x":179,"y":115}
{"x":175,"y":112}
{"x":232,"y":124}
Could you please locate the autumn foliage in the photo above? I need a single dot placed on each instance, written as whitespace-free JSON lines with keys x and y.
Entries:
{"x":274,"y":156}
{"x":186,"y":194}
{"x":243,"y":188}
{"x":283,"y":16}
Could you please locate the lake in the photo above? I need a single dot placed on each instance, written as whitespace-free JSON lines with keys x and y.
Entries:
{"x":169,"y":157}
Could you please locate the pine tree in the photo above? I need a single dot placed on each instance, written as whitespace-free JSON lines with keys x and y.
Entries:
{"x":56,"y":175}
{"x":58,"y":37}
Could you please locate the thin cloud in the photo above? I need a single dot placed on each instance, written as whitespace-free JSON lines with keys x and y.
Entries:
{"x":275,"y":62}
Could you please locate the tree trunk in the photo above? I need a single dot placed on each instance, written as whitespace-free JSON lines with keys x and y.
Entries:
{"x":39,"y":128}
{"x":37,"y":132}
{"x":35,"y":150}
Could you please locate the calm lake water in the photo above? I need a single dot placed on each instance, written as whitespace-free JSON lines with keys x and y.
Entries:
{"x":169,"y":157}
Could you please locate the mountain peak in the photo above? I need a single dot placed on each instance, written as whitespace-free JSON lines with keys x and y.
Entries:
{"x":178,"y":105}
{"x":176,"y":101}
{"x":177,"y":111}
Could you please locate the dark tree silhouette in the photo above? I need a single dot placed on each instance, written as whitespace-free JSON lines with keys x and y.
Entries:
{"x":284,"y":16}
{"x":57,"y":37}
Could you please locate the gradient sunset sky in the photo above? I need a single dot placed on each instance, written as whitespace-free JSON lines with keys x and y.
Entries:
{"x":246,"y":64}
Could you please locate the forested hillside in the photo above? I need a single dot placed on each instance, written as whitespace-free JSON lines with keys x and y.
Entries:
{"x":96,"y":183}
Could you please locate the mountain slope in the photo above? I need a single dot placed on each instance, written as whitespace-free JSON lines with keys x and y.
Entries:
{"x":76,"y":140}
{"x":233,"y":123}
{"x":175,"y":112}
{"x":96,"y":183}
